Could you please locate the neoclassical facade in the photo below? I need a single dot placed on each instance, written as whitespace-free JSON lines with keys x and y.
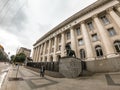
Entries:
{"x":93,"y":33}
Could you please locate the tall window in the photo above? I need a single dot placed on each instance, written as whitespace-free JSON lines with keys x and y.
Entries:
{"x":78,"y":31}
{"x":90,"y":25}
{"x":105,"y":20}
{"x":99,"y":51}
{"x":117,"y":46}
{"x":59,"y":38}
{"x":94,"y":37}
{"x":68,"y":35}
{"x":80,"y":42}
{"x":111,"y":31}
{"x":59,"y":48}
{"x":52,"y":41}
{"x":82,"y":54}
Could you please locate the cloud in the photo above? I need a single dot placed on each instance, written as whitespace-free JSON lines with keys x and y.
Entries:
{"x":22,"y":22}
{"x":9,"y":41}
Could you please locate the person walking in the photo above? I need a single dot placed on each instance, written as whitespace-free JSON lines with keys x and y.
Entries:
{"x":42,"y":71}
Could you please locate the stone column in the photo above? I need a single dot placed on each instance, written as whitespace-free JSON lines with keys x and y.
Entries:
{"x":118,"y":7}
{"x":41,"y":52}
{"x":104,"y":37}
{"x":36,"y":54}
{"x":88,"y":45}
{"x":114,"y":16}
{"x":55,"y":49}
{"x":44,"y":49}
{"x":49,"y":47}
{"x":33,"y":54}
{"x":73,"y":41}
{"x":63,"y":45}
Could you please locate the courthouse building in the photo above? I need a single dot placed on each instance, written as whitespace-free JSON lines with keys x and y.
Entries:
{"x":93,"y":33}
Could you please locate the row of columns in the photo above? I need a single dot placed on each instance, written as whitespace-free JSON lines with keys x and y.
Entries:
{"x":88,"y":45}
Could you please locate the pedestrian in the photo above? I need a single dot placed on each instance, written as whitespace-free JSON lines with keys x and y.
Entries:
{"x":42,"y":71}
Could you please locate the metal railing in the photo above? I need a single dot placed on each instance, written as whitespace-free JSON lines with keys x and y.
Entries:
{"x":50,"y":66}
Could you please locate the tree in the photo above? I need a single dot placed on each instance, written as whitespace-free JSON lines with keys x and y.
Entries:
{"x":19,"y":59}
{"x":12,"y":59}
{"x":2,"y":56}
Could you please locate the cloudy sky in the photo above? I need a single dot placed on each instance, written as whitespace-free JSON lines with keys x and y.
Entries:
{"x":22,"y":22}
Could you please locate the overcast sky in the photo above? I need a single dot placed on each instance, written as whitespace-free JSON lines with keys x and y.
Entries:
{"x":22,"y":22}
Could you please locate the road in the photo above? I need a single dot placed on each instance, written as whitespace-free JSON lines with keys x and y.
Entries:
{"x":4,"y":67}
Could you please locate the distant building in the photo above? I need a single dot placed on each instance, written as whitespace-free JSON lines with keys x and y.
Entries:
{"x":93,"y":33}
{"x":3,"y":53}
{"x":26,"y":51}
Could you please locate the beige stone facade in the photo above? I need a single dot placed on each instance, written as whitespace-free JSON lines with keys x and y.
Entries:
{"x":26,"y":51}
{"x":93,"y":33}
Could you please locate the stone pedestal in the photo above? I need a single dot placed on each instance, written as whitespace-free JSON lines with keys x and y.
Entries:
{"x":70,"y":67}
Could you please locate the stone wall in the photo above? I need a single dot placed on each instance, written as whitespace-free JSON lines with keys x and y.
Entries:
{"x":70,"y":67}
{"x":105,"y":65}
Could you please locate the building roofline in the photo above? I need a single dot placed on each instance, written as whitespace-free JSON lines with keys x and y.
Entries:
{"x":73,"y":17}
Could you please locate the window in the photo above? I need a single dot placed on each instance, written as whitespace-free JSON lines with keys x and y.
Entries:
{"x":59,"y":48}
{"x":52,"y":49}
{"x":99,"y":51}
{"x":68,"y":35}
{"x":111,"y":31}
{"x":41,"y":59}
{"x":80,"y":42}
{"x":117,"y":46}
{"x":90,"y":25}
{"x":59,"y":38}
{"x":94,"y":37}
{"x":82,"y":54}
{"x":105,"y":20}
{"x":52,"y":41}
{"x":45,"y":59}
{"x":78,"y":31}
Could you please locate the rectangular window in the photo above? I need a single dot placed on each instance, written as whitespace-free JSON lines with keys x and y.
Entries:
{"x":80,"y":42}
{"x":94,"y":37}
{"x":78,"y":31}
{"x":52,"y":49}
{"x":59,"y":48}
{"x":68,"y":35}
{"x":90,"y":25}
{"x":59,"y":38}
{"x":52,"y":41}
{"x":105,"y":20}
{"x":111,"y":31}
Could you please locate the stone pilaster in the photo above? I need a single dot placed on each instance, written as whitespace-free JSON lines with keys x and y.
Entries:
{"x":104,"y":37}
{"x":86,"y":39}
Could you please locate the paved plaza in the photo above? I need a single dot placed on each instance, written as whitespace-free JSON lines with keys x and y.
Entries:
{"x":31,"y":80}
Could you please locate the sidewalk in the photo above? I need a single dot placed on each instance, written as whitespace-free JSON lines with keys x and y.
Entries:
{"x":33,"y":81}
